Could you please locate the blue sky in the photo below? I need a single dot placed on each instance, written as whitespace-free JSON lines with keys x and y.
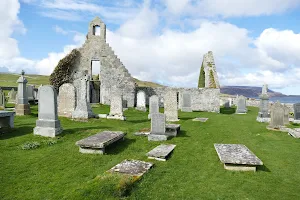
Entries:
{"x":254,"y":42}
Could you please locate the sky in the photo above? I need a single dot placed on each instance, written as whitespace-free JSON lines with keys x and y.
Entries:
{"x":254,"y":42}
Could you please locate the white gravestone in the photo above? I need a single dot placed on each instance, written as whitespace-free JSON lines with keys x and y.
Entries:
{"x":66,"y":100}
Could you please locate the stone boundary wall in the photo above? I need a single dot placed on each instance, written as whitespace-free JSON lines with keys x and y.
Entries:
{"x":256,"y":103}
{"x":203,"y":99}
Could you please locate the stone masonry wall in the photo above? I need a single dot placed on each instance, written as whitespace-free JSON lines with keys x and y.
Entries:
{"x":203,"y":99}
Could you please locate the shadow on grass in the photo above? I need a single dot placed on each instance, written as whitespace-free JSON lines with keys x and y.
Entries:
{"x":182,"y":133}
{"x":7,"y":133}
{"x":263,"y":168}
{"x":76,"y":130}
{"x":119,"y":146}
{"x":295,"y":124}
{"x":227,"y":111}
{"x":186,"y":118}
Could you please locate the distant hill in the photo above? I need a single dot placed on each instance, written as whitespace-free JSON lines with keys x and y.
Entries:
{"x":10,"y":79}
{"x":247,"y":91}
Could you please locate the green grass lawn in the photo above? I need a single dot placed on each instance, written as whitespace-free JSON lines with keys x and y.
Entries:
{"x":194,"y":171}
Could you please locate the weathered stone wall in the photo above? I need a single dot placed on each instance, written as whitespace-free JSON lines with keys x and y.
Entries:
{"x":113,"y":73}
{"x":203,"y":99}
{"x":211,"y":76}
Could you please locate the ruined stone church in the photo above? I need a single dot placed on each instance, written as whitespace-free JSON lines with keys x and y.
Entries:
{"x":114,"y":77}
{"x":113,"y":74}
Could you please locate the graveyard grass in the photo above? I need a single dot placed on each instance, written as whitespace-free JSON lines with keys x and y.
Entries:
{"x":194,"y":171}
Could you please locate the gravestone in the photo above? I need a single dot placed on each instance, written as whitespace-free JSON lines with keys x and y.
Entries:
{"x":96,"y":144}
{"x":7,"y":119}
{"x":296,"y":107}
{"x":2,"y":99}
{"x":153,"y":105}
{"x":158,"y":128}
{"x":30,"y":93}
{"x":135,"y":168}
{"x":141,"y":101}
{"x":116,"y":107}
{"x":12,"y":95}
{"x":237,"y":157}
{"x":66,"y":100}
{"x":22,"y":106}
{"x":286,"y":115}
{"x":241,"y":105}
{"x":47,"y":124}
{"x":186,"y":102}
{"x":171,"y":106}
{"x":227,"y":104}
{"x":230,"y":102}
{"x":83,"y":109}
{"x":264,"y":106}
{"x":264,"y":89}
{"x":161,"y":152}
{"x":277,"y":116}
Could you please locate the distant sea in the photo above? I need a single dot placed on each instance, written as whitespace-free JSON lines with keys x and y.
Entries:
{"x":285,"y":99}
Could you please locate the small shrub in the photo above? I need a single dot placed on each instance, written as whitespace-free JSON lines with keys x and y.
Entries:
{"x":50,"y":142}
{"x":30,"y":145}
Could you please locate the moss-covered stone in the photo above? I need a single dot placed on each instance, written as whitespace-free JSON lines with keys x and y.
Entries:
{"x":212,"y":83}
{"x":61,"y":73}
{"x":201,"y":81}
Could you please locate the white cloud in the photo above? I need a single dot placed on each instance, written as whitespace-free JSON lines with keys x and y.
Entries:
{"x":231,"y":8}
{"x":60,"y":30}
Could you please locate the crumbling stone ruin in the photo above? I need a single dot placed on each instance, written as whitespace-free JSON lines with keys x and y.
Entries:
{"x":208,"y":77}
{"x":113,"y":75}
{"x":78,"y":63}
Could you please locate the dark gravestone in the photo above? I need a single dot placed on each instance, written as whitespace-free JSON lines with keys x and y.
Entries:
{"x":297,"y":111}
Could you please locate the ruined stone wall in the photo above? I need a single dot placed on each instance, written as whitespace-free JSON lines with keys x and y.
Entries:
{"x":211,"y":76}
{"x":203,"y":99}
{"x":113,"y":74}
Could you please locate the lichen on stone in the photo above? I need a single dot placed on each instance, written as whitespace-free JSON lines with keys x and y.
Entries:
{"x":62,"y":72}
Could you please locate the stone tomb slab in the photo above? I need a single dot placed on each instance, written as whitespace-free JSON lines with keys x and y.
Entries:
{"x":199,"y":119}
{"x":161,"y":152}
{"x":237,"y":157}
{"x":294,"y":132}
{"x":172,"y":129}
{"x":96,"y":144}
{"x":134,"y":168}
{"x":7,"y":119}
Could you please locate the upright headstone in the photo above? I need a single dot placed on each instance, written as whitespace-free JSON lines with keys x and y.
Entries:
{"x":241,"y":105}
{"x":171,"y":106}
{"x":153,"y":105}
{"x":141,"y":101}
{"x":227,"y":104}
{"x":264,"y":103}
{"x":30,"y":92}
{"x":22,"y":107}
{"x":277,"y":116}
{"x":47,"y":124}
{"x":158,"y":124}
{"x":66,"y":100}
{"x":116,"y":106}
{"x":2,"y":99}
{"x":186,"y":102}
{"x":12,"y":95}
{"x":296,"y":111}
{"x":83,"y":108}
{"x":158,"y":128}
{"x":230,"y":102}
{"x":286,"y":114}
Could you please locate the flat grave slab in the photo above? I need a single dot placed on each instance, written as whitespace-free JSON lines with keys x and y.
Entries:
{"x":172,"y":129}
{"x":135,"y":168}
{"x":294,"y":132}
{"x":96,"y":144}
{"x":156,"y":137}
{"x":7,"y":119}
{"x":161,"y":152}
{"x":237,"y":157}
{"x":199,"y":119}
